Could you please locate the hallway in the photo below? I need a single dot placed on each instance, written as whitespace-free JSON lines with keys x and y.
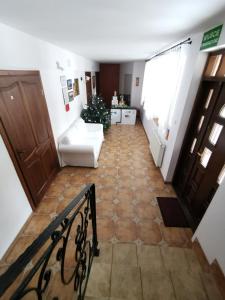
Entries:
{"x":152,"y":261}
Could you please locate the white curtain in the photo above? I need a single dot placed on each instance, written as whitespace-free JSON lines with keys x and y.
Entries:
{"x":161,"y":83}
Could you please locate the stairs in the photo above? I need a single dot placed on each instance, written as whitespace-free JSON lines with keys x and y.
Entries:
{"x":127,"y":271}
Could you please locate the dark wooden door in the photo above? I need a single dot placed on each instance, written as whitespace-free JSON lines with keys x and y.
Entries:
{"x":201,"y":164}
{"x":210,"y":159}
{"x":109,"y":81}
{"x":88,"y":86}
{"x":206,"y":100}
{"x":26,"y":121}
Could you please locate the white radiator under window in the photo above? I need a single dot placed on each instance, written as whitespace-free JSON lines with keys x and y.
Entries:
{"x":157,"y":148}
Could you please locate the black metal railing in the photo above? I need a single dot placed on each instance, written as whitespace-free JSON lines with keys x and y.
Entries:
{"x":54,"y":239}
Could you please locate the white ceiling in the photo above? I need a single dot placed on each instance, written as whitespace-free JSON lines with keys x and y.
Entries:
{"x":116,"y":30}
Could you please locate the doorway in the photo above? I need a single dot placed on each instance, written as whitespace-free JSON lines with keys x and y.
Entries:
{"x":109,"y":82}
{"x":26,"y":130}
{"x":88,"y":86}
{"x":201,"y":166}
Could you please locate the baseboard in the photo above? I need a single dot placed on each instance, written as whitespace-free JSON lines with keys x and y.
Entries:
{"x":212,"y":268}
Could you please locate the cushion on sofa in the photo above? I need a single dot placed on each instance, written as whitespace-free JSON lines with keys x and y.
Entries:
{"x":80,"y":126}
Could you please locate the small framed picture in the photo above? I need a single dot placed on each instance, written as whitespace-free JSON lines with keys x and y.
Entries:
{"x":69,"y":84}
{"x":76,"y":89}
{"x":65,"y":95}
{"x":63,"y":81}
{"x":67,"y":107}
{"x":71,"y":96}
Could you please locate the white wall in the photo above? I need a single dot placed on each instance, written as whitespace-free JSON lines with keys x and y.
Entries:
{"x":136,"y":69}
{"x":125,"y":68}
{"x":15,"y":208}
{"x":211,"y":231}
{"x":20,"y":51}
{"x":136,"y":91}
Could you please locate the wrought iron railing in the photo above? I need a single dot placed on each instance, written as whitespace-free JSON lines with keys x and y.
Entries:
{"x":54,"y":239}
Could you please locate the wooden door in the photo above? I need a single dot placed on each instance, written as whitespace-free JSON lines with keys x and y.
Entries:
{"x":201,"y":163}
{"x":206,"y":100}
{"x":109,"y":81}
{"x":88,"y":86}
{"x":25,"y":119}
{"x":204,"y":178}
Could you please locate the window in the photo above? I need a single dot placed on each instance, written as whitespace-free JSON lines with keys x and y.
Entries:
{"x":222,"y":112}
{"x":200,"y":123}
{"x":213,"y":65}
{"x":209,"y":98}
{"x":193,"y":145}
{"x":221,"y":176}
{"x":205,"y":157}
{"x":215,"y":133}
{"x":162,"y":78}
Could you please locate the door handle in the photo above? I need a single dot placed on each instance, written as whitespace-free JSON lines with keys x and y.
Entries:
{"x":21,"y":151}
{"x":199,"y":154}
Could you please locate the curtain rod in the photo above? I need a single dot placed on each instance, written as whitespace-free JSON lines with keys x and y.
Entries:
{"x":187,"y":41}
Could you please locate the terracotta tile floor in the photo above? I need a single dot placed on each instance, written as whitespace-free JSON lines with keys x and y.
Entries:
{"x":127,"y":183}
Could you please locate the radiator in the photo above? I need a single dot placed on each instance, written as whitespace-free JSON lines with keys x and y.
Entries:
{"x":157,"y":148}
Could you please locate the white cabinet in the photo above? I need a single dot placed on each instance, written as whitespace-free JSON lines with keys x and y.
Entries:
{"x":115,"y":116}
{"x":129,"y":116}
{"x":123,"y":116}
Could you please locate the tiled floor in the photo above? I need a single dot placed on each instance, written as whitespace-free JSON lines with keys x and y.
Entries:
{"x":149,"y":272}
{"x":127,"y":183}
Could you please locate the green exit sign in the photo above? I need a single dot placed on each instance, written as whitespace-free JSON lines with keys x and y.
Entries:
{"x":211,"y":37}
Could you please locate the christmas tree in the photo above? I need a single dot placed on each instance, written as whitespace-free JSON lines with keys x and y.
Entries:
{"x":96,"y":112}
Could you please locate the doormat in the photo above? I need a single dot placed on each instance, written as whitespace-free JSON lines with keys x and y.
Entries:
{"x":172,"y":213}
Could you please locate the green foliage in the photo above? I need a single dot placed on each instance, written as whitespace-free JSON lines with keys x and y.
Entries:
{"x":96,"y":112}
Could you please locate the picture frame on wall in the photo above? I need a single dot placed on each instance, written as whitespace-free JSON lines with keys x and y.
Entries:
{"x":76,"y":89}
{"x":69,"y":84}
{"x":65,"y":95}
{"x":63,"y":81}
{"x":70,"y":96}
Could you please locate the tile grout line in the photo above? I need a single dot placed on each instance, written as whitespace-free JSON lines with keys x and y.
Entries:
{"x":172,"y":283}
{"x":169,"y":272}
{"x":110,"y":281}
{"x":140,"y":273}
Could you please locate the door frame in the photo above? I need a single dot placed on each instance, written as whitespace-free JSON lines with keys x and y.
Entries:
{"x":187,"y":136}
{"x":6,"y":139}
{"x":88,"y":73}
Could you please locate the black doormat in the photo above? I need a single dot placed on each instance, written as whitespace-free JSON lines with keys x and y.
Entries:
{"x":172,"y":213}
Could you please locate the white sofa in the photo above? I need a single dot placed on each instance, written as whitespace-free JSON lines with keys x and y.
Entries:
{"x":80,"y":145}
